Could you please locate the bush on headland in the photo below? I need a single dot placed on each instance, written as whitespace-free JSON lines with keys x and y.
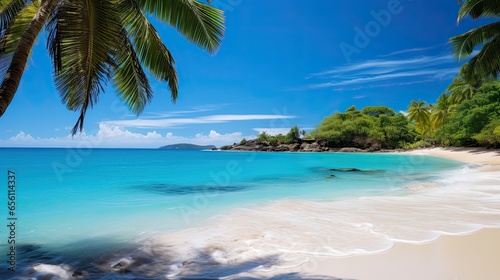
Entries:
{"x":470,"y":121}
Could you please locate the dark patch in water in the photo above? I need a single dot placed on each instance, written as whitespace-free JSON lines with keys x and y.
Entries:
{"x":352,"y":171}
{"x":172,"y":189}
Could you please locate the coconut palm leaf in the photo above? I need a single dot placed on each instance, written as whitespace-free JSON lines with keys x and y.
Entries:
{"x":443,"y":109}
{"x":9,"y":9}
{"x":9,"y":39}
{"x":477,"y":8}
{"x":419,"y":113}
{"x":91,"y":42}
{"x":85,"y":51}
{"x":487,"y":62}
{"x":149,"y":46}
{"x":17,"y":28}
{"x":201,"y":24}
{"x":463,"y":45}
{"x":130,"y":80}
{"x":460,"y":90}
{"x":15,"y":70}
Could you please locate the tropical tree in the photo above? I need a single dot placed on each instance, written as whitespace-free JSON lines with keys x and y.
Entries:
{"x":463,"y":87}
{"x":486,"y":63}
{"x":419,"y":112}
{"x":441,"y":112}
{"x":92,"y":42}
{"x":293,"y":136}
{"x":474,"y":121}
{"x":460,"y":90}
{"x":366,"y":128}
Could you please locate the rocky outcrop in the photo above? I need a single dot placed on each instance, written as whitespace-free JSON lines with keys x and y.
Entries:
{"x":304,"y":146}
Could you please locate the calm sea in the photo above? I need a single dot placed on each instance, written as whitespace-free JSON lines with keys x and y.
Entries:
{"x":73,"y":204}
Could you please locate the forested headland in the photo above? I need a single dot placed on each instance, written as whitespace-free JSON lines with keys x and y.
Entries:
{"x":463,"y":116}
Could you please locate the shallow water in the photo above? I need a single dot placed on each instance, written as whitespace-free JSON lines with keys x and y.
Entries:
{"x":149,"y":214}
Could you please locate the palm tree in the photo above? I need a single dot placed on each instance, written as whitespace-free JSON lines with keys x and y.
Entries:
{"x":463,"y":87}
{"x":443,"y":109}
{"x":419,"y":113}
{"x":91,"y":42}
{"x":460,"y":90}
{"x":486,"y":63}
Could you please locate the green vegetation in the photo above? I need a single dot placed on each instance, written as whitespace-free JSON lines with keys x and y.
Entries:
{"x":475,"y":121}
{"x":472,"y":120}
{"x":292,"y":137}
{"x":91,"y":42}
{"x":376,"y":126}
{"x":486,"y":62}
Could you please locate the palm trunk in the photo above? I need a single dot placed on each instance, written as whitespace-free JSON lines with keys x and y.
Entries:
{"x":16,"y":68}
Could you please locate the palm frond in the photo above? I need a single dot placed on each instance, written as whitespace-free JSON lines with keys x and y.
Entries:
{"x":149,"y":46}
{"x":477,"y":8}
{"x":15,"y":69}
{"x":19,"y":25}
{"x":9,"y":9}
{"x":11,"y":35}
{"x":201,"y":24}
{"x":83,"y":52}
{"x":463,"y":45}
{"x":130,"y":80}
{"x":487,"y":61}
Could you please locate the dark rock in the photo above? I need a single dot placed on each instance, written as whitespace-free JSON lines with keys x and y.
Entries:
{"x":345,"y":169}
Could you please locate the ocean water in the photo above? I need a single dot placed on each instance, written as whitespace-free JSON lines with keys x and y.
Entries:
{"x":160,"y":214}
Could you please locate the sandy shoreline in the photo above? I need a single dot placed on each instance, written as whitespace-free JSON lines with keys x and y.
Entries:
{"x":489,"y":159}
{"x":463,"y":257}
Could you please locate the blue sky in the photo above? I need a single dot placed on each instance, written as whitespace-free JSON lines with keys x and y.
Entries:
{"x":282,"y":63}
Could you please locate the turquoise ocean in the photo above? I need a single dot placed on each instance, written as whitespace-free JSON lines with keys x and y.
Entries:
{"x":89,"y":213}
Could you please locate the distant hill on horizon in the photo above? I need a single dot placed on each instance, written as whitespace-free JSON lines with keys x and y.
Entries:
{"x":186,"y":146}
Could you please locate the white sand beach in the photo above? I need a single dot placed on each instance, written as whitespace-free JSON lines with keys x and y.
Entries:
{"x":462,"y":257}
{"x":448,"y":229}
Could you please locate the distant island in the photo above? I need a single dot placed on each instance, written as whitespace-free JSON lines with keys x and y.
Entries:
{"x":185,"y":146}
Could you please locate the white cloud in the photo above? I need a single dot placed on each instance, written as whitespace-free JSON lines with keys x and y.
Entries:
{"x":22,"y":137}
{"x":173,"y":122}
{"x":108,"y":136}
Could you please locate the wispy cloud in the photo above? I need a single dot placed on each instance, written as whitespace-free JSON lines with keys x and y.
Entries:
{"x":174,"y":122}
{"x":386,"y":72}
{"x":359,"y":97}
{"x":413,"y":50}
{"x":190,"y":110}
{"x":383,"y":85}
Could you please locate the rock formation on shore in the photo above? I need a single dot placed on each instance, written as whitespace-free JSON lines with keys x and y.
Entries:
{"x":302,"y":146}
